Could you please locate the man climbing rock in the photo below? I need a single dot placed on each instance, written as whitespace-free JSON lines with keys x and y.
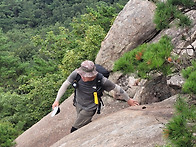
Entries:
{"x":89,"y":85}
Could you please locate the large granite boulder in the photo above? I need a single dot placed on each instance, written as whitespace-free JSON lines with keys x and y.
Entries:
{"x":132,"y":127}
{"x":133,"y":26}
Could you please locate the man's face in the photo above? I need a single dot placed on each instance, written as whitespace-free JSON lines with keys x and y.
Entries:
{"x":86,"y":79}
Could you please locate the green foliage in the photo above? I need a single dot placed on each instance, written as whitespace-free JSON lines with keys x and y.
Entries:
{"x":11,"y":66}
{"x":169,"y":10}
{"x":190,"y":75}
{"x":7,"y":134}
{"x":39,"y":100}
{"x":3,"y":41}
{"x":83,"y":42}
{"x":42,"y":67}
{"x":54,"y":46}
{"x":20,"y":43}
{"x":71,"y":60}
{"x":92,"y":42}
{"x":184,"y":20}
{"x":180,"y":129}
{"x":25,"y":110}
{"x":12,"y":108}
{"x":163,"y":15}
{"x":183,"y":3}
{"x":22,"y":14}
{"x":147,"y":58}
{"x":87,"y":49}
{"x":102,"y":16}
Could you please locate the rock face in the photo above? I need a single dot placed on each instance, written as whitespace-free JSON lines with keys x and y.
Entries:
{"x":155,"y":90}
{"x":140,"y":127}
{"x":118,"y":125}
{"x":133,"y":25}
{"x":178,"y":33}
{"x":51,"y":129}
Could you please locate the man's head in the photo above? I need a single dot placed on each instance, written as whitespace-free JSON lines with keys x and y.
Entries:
{"x":87,"y":71}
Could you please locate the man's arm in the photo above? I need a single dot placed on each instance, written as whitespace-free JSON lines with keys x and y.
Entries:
{"x":63,"y":88}
{"x":60,"y":93}
{"x":130,"y":101}
{"x":109,"y":85}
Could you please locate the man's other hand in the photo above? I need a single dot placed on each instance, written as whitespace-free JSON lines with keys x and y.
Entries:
{"x":132,"y":102}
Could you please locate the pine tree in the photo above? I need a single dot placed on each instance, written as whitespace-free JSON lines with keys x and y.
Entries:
{"x":180,"y":130}
{"x":146,"y":59}
{"x":190,"y":75}
{"x":172,"y":10}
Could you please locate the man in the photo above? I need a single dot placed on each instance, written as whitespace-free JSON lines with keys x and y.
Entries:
{"x":84,"y":102}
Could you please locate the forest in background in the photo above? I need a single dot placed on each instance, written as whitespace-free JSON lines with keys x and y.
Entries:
{"x":41,"y":42}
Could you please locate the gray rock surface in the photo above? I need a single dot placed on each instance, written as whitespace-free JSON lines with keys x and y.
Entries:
{"x":176,"y":80}
{"x":133,"y":25}
{"x":118,"y":125}
{"x":154,"y":90}
{"x":177,"y":33}
{"x":130,"y":127}
{"x":51,"y":129}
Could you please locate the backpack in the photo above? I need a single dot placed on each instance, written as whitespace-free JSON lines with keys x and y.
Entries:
{"x":101,"y":72}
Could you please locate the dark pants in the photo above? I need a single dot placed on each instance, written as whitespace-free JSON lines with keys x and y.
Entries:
{"x":83,"y":118}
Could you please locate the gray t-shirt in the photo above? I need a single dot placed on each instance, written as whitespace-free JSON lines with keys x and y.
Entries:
{"x":84,"y":91}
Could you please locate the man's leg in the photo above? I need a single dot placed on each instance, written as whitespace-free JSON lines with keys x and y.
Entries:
{"x":83,"y":118}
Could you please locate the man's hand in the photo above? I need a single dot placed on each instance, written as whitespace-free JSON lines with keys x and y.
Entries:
{"x":132,"y":102}
{"x":55,"y":104}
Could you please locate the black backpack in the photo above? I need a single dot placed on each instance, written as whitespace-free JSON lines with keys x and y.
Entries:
{"x":101,"y":72}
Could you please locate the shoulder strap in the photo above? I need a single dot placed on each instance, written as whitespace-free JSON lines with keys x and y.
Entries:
{"x":75,"y":85}
{"x":98,"y":81}
{"x":75,"y":82}
{"x":99,"y":92}
{"x":78,"y":77}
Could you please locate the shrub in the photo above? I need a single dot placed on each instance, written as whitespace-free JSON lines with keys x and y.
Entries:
{"x":7,"y":134}
{"x":181,"y":128}
{"x":190,"y":75}
{"x":147,"y":58}
{"x":170,"y":10}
